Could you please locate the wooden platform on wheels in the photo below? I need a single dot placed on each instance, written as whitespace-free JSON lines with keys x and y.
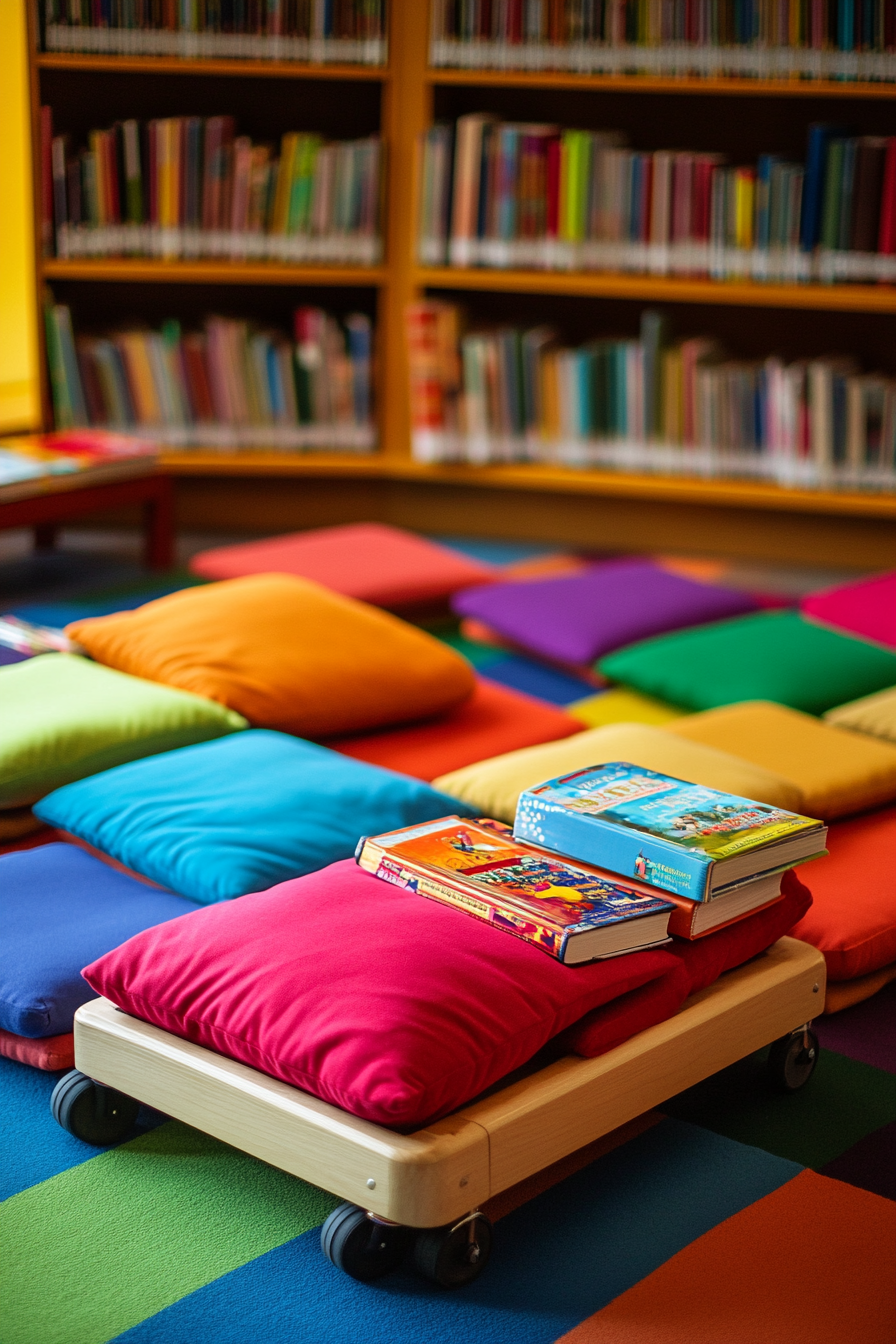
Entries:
{"x":437,"y":1174}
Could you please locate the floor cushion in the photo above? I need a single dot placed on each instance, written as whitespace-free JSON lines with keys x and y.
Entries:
{"x":412,"y":1010}
{"x":577,"y":618}
{"x":59,"y":909}
{"x":216,"y":821}
{"x":838,"y":772}
{"x":700,"y":963}
{"x":50,"y":1053}
{"x":553,"y":684}
{"x":370,"y":561}
{"x":494,"y":719}
{"x":853,"y":915}
{"x":65,"y":717}
{"x":874,"y":715}
{"x":16,"y":822}
{"x":866,"y":608}
{"x":621,"y":705}
{"x":775,"y":655}
{"x":494,"y":787}
{"x":286,"y":653}
{"x":845,"y":993}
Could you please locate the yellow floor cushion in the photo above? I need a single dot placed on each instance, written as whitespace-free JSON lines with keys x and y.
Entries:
{"x":874,"y":715}
{"x":285,"y":652}
{"x":494,"y":786}
{"x":622,"y":706}
{"x":838,"y":772}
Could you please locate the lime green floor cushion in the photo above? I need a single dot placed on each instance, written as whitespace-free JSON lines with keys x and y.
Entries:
{"x":65,"y":717}
{"x":773,"y":655}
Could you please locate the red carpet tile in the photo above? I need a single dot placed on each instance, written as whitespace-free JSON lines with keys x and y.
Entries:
{"x":805,"y":1265}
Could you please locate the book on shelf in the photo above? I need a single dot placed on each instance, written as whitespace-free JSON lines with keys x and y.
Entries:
{"x":191,"y":187}
{"x":714,"y":39}
{"x":35,"y":462}
{"x":352,"y":31}
{"x":230,"y":385}
{"x":649,"y":404}
{"x":684,"y":838}
{"x":569,"y":911}
{"x":521,"y":195}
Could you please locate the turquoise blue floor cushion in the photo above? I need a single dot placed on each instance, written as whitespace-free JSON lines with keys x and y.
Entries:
{"x":240,"y":814}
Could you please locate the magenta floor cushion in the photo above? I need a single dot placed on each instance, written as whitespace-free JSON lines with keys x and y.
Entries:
{"x":393,"y":1007}
{"x":578,"y":617}
{"x":866,"y":608}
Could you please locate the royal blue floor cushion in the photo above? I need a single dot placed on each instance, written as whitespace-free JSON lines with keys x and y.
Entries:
{"x":774,"y":655}
{"x":225,"y":818}
{"x":64,"y":717}
{"x":396,"y":1008}
{"x":61,"y":908}
{"x":578,"y":617}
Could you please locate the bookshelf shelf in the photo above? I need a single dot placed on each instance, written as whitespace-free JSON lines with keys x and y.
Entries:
{"x":165,"y":65}
{"x":665,"y":289}
{"x":211,"y":272}
{"x":751,"y":88}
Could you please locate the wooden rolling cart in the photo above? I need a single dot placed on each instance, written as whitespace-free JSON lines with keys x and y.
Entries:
{"x":420,"y":1193}
{"x":268,"y":491}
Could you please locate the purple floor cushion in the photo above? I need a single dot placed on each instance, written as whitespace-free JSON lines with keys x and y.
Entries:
{"x":59,"y":909}
{"x":394,"y":1007}
{"x":576,"y":618}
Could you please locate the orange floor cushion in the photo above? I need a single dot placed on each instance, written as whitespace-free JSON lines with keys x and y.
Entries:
{"x":288,"y":653}
{"x":853,"y":915}
{"x":370,"y":561}
{"x":495,"y":719}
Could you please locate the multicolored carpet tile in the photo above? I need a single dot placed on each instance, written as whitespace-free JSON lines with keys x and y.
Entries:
{"x":737,"y":1215}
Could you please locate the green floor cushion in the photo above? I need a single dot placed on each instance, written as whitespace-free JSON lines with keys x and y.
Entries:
{"x":65,"y":717}
{"x":773,"y":655}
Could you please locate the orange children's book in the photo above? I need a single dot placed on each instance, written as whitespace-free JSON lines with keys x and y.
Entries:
{"x":569,"y":910}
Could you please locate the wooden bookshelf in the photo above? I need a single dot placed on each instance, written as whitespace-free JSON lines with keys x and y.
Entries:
{"x":265,"y":491}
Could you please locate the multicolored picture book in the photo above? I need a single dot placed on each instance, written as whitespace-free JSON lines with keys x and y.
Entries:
{"x":683,"y":838}
{"x":565,"y":909}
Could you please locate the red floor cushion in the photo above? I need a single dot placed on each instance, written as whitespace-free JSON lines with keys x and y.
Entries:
{"x":394,"y":1007}
{"x":382,"y":565}
{"x":494,"y":720}
{"x":50,"y":1053}
{"x":853,"y":916}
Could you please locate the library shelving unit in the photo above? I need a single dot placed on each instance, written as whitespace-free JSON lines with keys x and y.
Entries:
{"x":263,"y":490}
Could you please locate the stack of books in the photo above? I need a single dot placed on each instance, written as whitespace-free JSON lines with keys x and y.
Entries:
{"x":824,"y":39}
{"x":533,"y":195}
{"x":647,"y":405}
{"x":34,"y":462}
{"x":227,"y":386}
{"x":187,"y":187}
{"x":352,"y":31}
{"x":608,"y":860}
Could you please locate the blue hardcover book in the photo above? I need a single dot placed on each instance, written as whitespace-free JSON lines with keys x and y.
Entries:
{"x":681,"y":837}
{"x":813,"y":183}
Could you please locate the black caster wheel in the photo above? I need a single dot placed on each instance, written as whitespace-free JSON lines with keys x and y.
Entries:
{"x":92,"y":1112}
{"x":792,"y":1060}
{"x":455,"y":1255}
{"x":360,"y":1247}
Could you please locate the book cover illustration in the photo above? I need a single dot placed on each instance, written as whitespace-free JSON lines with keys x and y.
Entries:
{"x":533,"y":895}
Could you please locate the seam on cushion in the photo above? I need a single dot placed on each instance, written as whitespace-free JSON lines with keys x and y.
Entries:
{"x":441,"y":1081}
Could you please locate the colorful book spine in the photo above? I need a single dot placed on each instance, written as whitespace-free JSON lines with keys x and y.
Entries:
{"x":230,"y":385}
{"x":652,"y":404}
{"x":533,"y":196}
{"x":191,"y":187}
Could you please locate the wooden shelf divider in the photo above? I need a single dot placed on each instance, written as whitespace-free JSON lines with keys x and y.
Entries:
{"x":175,"y":65}
{"x":755,"y":88}
{"x":145,"y":269}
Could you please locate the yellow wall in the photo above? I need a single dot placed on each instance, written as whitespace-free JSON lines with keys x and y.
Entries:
{"x":19,"y":395}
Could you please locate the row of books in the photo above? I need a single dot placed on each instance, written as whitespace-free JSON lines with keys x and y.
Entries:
{"x":192,"y":187}
{"x":227,"y":386}
{"x":529,"y":195}
{"x":277,"y":30}
{"x":645,"y":405}
{"x":765,"y":39}
{"x":604,"y":861}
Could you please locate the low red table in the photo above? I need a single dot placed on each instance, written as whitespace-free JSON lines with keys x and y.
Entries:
{"x":49,"y":502}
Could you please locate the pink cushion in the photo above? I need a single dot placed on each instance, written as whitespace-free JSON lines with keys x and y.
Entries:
{"x":867,"y":608}
{"x":394,"y":1007}
{"x":699,"y":964}
{"x":370,"y":561}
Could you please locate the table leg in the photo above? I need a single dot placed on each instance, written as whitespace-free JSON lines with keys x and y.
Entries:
{"x":158,"y":526}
